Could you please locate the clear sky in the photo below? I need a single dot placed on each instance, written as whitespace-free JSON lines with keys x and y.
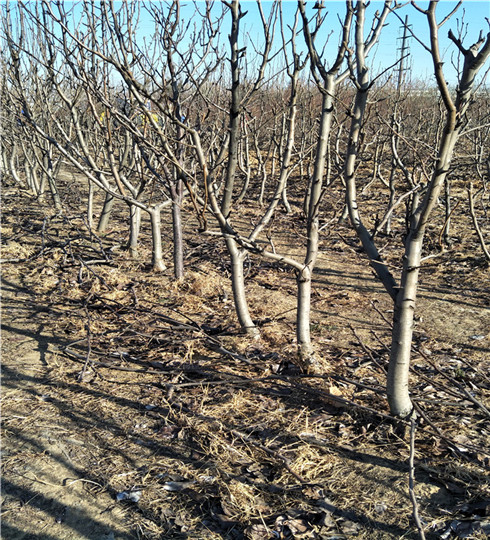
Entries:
{"x":385,"y":54}
{"x":473,"y":12}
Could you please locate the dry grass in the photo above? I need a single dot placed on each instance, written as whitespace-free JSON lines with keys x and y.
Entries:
{"x":218,"y":446}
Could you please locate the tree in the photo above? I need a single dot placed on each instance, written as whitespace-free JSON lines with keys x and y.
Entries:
{"x":404,"y":293}
{"x":474,"y":59}
{"x":327,"y":80}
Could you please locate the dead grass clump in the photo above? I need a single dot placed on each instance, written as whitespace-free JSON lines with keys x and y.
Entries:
{"x":42,"y":280}
{"x":15,"y":250}
{"x":370,"y":488}
{"x":224,"y":448}
{"x":113,"y":277}
{"x":205,"y":283}
{"x":312,"y":464}
{"x":242,"y":501}
{"x":278,"y":336}
{"x":266,"y":303}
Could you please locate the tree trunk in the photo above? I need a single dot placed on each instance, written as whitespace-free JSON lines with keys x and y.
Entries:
{"x":51,"y":175}
{"x":156,"y":236}
{"x":54,"y":190}
{"x":351,"y":207}
{"x":234,"y":113}
{"x":5,"y":161}
{"x":13,"y":167}
{"x":237,"y":258}
{"x":448,"y":210}
{"x":303,"y":311}
{"x":32,"y":177}
{"x":392,"y":196}
{"x":134,"y":230}
{"x":90,"y":205}
{"x":177,"y":229}
{"x":402,"y":333}
{"x":106,"y":213}
{"x":315,"y":191}
{"x":245,"y":165}
{"x":285,"y":202}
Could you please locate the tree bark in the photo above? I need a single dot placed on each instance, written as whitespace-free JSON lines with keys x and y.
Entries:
{"x":12,"y":166}
{"x":134,"y":230}
{"x":315,"y":191}
{"x":303,"y":317}
{"x":156,"y":236}
{"x":51,"y":174}
{"x":105,"y":215}
{"x":90,"y":205}
{"x":402,"y":334}
{"x":237,"y":258}
{"x":178,"y":242}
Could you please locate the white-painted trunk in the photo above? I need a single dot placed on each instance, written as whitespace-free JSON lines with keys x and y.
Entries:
{"x":134,"y":230}
{"x":303,"y":317}
{"x":237,"y":258}
{"x":156,"y":236}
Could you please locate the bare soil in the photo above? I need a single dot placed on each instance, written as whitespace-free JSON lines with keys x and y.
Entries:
{"x":133,"y":408}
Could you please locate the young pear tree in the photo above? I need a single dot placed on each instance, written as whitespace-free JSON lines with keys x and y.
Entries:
{"x":456,"y":108}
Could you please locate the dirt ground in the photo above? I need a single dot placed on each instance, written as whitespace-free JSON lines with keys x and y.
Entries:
{"x":133,"y":408}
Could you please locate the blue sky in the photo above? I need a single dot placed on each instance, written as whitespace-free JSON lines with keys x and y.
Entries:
{"x":386,"y":52}
{"x":382,"y":56}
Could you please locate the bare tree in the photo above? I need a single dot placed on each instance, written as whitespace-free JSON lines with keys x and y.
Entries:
{"x":474,"y":59}
{"x":327,"y":81}
{"x":404,"y":294}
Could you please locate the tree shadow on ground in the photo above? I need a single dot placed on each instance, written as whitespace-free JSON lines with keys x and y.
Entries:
{"x":208,"y":506}
{"x":64,"y":397}
{"x":76,"y":520}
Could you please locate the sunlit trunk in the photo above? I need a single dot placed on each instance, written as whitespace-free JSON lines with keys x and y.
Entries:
{"x":134,"y":230}
{"x":105,"y":215}
{"x":51,"y":174}
{"x":156,"y":236}
{"x":315,"y":191}
{"x":90,"y":205}
{"x":402,"y":334}
{"x":237,"y":258}
{"x":177,"y":230}
{"x":303,"y":311}
{"x":13,"y":166}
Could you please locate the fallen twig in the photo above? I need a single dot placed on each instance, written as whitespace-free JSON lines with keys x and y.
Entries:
{"x":381,"y":314}
{"x":443,"y":437}
{"x":467,"y":394}
{"x":366,"y":349}
{"x":89,"y":348}
{"x":411,"y":477}
{"x":481,"y":239}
